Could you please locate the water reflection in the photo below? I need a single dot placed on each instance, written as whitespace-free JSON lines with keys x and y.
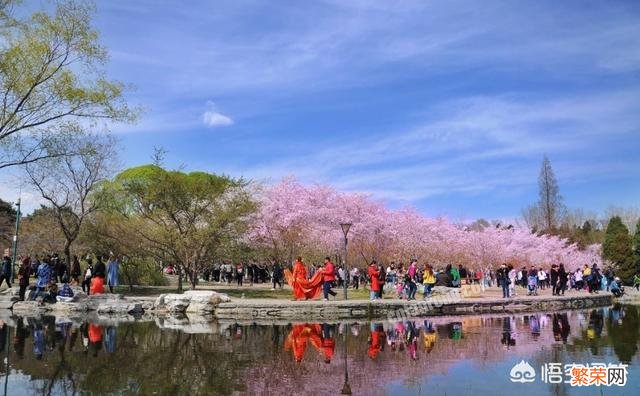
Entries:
{"x":67,"y":356}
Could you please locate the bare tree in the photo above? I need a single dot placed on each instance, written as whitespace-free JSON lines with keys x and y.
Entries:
{"x":549,"y":211}
{"x":67,"y":183}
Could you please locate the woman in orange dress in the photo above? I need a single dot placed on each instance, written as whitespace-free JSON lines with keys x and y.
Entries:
{"x":303,"y":287}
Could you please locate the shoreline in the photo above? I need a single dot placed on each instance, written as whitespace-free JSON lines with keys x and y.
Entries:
{"x":209,"y":306}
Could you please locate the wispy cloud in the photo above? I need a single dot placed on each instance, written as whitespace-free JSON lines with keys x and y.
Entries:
{"x":213,"y":118}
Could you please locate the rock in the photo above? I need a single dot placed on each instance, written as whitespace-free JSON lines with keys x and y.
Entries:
{"x":159,"y":303}
{"x":204,"y":302}
{"x":6,"y":303}
{"x":175,"y":303}
{"x":27,"y":307}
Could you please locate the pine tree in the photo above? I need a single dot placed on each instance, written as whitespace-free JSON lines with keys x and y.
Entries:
{"x":636,"y":246}
{"x":617,"y":249}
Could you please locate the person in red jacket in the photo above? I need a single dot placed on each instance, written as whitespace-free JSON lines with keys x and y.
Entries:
{"x":328,"y":277}
{"x":374,"y":273}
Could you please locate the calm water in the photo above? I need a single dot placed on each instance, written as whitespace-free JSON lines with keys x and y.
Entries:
{"x":455,"y":356}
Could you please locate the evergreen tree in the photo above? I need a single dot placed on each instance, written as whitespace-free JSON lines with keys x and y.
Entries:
{"x":617,"y":249}
{"x":636,"y":246}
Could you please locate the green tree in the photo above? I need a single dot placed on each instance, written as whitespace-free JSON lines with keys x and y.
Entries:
{"x":186,"y":219}
{"x":52,"y":82}
{"x":7,"y":224}
{"x":617,"y":249}
{"x":636,"y":246}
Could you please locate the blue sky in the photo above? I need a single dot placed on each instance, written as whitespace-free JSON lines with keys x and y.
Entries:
{"x":445,"y":106}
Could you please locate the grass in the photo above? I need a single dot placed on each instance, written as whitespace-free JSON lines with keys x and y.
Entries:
{"x":249,"y":292}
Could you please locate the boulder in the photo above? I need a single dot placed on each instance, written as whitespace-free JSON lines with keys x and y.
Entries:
{"x":175,"y":303}
{"x":204,"y":302}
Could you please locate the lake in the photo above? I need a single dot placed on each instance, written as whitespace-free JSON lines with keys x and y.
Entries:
{"x":443,"y":355}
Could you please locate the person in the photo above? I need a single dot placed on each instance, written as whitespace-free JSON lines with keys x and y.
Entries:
{"x":97,"y":277}
{"x":75,"y":270}
{"x":23,"y":277}
{"x":355,"y":277}
{"x":455,"y":276}
{"x":113,"y":267}
{"x":410,"y":280}
{"x":374,"y":274}
{"x":636,"y":281}
{"x":616,"y":287}
{"x":88,"y":273}
{"x":65,"y":294}
{"x":532,"y":282}
{"x":513,"y":276}
{"x":328,"y":277}
{"x":594,"y":284}
{"x":586,"y":274}
{"x":239,"y":274}
{"x":276,"y":277}
{"x":303,"y":287}
{"x":562,"y":280}
{"x":428,"y":280}
{"x":5,"y":271}
{"x":382,"y":278}
{"x":44,"y":277}
{"x":553,"y":275}
{"x":579,"y":283}
{"x":542,"y":278}
{"x":503,"y":279}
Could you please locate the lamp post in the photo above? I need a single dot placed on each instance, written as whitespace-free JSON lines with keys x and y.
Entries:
{"x":15,"y":242}
{"x":345,"y":230}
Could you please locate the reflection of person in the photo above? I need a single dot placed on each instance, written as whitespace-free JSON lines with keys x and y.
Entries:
{"x":20,"y":338}
{"x":38,"y":340}
{"x":507,"y":340}
{"x":95,"y":338}
{"x":303,"y":287}
{"x":376,"y":341}
{"x":328,"y":343}
{"x":429,"y":336}
{"x":110,"y":339}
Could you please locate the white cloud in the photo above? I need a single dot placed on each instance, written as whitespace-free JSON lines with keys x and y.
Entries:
{"x":214,"y":118}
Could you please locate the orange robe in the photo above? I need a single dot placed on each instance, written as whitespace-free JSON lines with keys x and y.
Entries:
{"x":97,"y":285}
{"x":303,"y":287}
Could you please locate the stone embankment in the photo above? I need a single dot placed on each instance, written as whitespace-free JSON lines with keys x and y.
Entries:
{"x":201,"y":307}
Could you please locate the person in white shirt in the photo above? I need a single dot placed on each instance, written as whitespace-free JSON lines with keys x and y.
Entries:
{"x":542,"y":278}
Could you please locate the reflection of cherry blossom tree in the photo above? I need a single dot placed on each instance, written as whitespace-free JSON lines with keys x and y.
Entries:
{"x":297,"y":219}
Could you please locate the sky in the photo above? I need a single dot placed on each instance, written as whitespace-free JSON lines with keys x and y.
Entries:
{"x":447,"y":107}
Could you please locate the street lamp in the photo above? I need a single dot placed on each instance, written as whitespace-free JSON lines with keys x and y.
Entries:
{"x":345,"y":230}
{"x":15,"y":243}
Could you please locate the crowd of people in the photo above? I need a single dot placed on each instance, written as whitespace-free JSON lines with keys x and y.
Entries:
{"x":559,"y":280}
{"x":54,"y":278}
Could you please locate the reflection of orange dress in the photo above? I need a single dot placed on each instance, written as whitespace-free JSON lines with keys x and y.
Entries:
{"x":95,"y":333}
{"x":303,"y":287}
{"x":298,"y":337}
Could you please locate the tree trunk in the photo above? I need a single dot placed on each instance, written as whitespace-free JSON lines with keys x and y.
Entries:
{"x":67,"y":255}
{"x":179,"y":278}
{"x":194,"y":279}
